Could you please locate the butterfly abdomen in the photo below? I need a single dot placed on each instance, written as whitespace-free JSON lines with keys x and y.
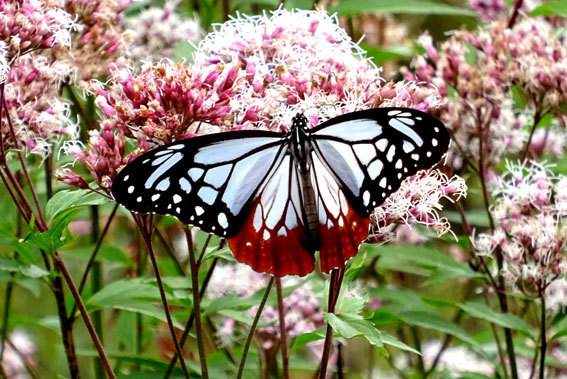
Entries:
{"x":300,"y":148}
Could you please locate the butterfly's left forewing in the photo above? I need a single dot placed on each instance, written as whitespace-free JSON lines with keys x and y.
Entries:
{"x":371,"y":152}
{"x":204,"y":181}
{"x":364,"y":157}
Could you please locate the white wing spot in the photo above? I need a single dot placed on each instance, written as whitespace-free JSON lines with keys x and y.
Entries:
{"x":139,"y":199}
{"x":185,"y":185}
{"x":415,"y":157}
{"x":223,"y":222}
{"x":394,"y":112}
{"x":434,"y":142}
{"x":406,"y":130}
{"x":145,"y":161}
{"x":407,"y":121}
{"x":428,"y":154}
{"x":383,"y":182}
{"x":381,"y":144}
{"x":176,"y":198}
{"x":176,"y":147}
{"x":155,"y":197}
{"x":162,"y":169}
{"x":435,"y":128}
{"x":208,"y":195}
{"x":257,"y":221}
{"x":365,"y":152}
{"x":408,"y":147}
{"x":366,"y":197}
{"x":391,"y":153}
{"x":163,"y":185}
{"x":418,"y":118}
{"x":130,"y":189}
{"x":341,"y":222}
{"x":169,"y":206}
{"x":199,"y":210}
{"x":399,"y":164}
{"x":399,"y":175}
{"x":375,"y":169}
{"x":159,"y":154}
{"x":126,"y":178}
{"x":195,"y":173}
{"x":282,"y":231}
{"x":383,"y":194}
{"x":162,"y":159}
{"x":266,"y":235}
{"x":178,"y":210}
{"x":217,"y":176}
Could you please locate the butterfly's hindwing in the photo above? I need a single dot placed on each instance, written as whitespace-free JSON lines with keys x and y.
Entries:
{"x":371,"y":152}
{"x":341,"y":229}
{"x":206,"y":181}
{"x":273,"y":238}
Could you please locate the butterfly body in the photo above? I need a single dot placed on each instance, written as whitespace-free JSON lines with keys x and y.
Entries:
{"x":279,"y":197}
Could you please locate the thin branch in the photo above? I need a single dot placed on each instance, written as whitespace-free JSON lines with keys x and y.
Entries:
{"x":496,"y":338}
{"x":170,"y":252}
{"x":191,"y":318}
{"x":283,"y":339}
{"x":537,"y":118}
{"x":196,"y":305}
{"x":543,"y":347}
{"x":85,"y":315}
{"x":94,"y":254}
{"x":515,"y":12}
{"x":334,"y":290}
{"x":144,"y":223}
{"x":29,"y":367}
{"x":253,"y":328}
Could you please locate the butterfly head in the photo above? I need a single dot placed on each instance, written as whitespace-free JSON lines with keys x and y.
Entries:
{"x":299,"y":121}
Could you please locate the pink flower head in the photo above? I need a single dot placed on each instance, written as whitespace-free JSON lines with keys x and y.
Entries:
{"x":30,"y":25}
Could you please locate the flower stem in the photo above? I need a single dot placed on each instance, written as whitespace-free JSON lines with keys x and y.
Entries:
{"x":191,"y":318}
{"x":283,"y":339}
{"x":85,"y":315}
{"x":515,"y":12}
{"x":253,"y":328}
{"x":97,"y":282}
{"x":145,"y":227}
{"x":334,"y":290}
{"x":196,"y":305}
{"x":537,"y":119}
{"x":543,"y":347}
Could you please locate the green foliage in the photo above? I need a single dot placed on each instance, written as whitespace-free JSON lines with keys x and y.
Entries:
{"x":426,"y":7}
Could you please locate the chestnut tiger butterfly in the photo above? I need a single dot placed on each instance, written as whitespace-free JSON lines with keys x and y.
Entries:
{"x":279,"y":197}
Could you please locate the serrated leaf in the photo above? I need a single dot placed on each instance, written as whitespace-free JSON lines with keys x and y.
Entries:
{"x":352,"y":326}
{"x":506,"y":320}
{"x":66,"y":199}
{"x":426,"y":7}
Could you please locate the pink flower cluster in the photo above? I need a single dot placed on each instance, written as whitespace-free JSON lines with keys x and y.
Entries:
{"x":417,"y":201}
{"x":530,"y":207}
{"x":102,"y":40}
{"x":31,"y":24}
{"x":39,"y":116}
{"x":476,"y":74}
{"x":157,"y":31}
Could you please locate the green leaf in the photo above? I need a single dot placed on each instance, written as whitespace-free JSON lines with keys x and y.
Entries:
{"x":305,"y":338}
{"x":57,"y":235}
{"x":471,"y":54}
{"x":552,"y":8}
{"x":106,"y":252}
{"x":425,"y":7}
{"x":183,"y":50}
{"x":30,"y":271}
{"x":519,"y":96}
{"x":428,"y":320}
{"x":452,"y":92}
{"x":421,"y":260}
{"x":393,"y":341}
{"x":63,"y":200}
{"x":506,"y":320}
{"x":389,"y":53}
{"x":354,"y":326}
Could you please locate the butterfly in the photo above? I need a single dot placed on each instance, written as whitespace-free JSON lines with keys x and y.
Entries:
{"x":279,"y":197}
